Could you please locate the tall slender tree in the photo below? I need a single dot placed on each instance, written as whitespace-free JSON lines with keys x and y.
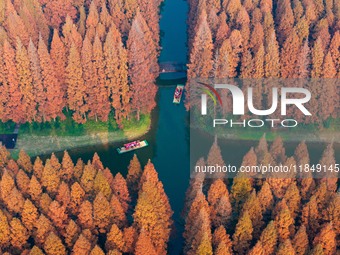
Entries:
{"x":155,"y":222}
{"x":15,"y":25}
{"x":25,"y":83}
{"x":92,"y":21}
{"x":243,"y":234}
{"x":76,"y":90}
{"x":14,"y":108}
{"x":284,"y":223}
{"x":142,"y":67}
{"x":284,"y":19}
{"x":59,"y":60}
{"x":54,"y":96}
{"x":116,"y":71}
{"x":144,"y":245}
{"x":37,"y":83}
{"x":200,"y":63}
{"x":289,"y":53}
{"x":272,"y":56}
{"x":100,"y":94}
{"x":317,"y":58}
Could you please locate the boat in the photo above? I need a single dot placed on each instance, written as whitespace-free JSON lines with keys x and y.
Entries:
{"x":178,"y":94}
{"x":131,"y":146}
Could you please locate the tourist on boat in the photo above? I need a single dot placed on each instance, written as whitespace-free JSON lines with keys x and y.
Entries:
{"x":178,"y":92}
{"x":128,"y":145}
{"x":132,"y":144}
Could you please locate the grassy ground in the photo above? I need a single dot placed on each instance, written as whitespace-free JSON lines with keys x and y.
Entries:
{"x":7,"y":128}
{"x":38,"y":139}
{"x":287,"y":135}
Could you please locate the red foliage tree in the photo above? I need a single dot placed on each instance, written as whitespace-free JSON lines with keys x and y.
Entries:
{"x":25,"y":80}
{"x":54,"y":96}
{"x":99,"y":96}
{"x":116,"y":71}
{"x":144,"y":245}
{"x":155,"y":222}
{"x":59,"y":60}
{"x":142,"y":67}
{"x":13,"y":108}
{"x":76,"y":90}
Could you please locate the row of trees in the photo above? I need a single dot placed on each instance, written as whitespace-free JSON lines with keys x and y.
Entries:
{"x":60,"y":208}
{"x":97,"y":58}
{"x":287,"y":215}
{"x":268,"y":39}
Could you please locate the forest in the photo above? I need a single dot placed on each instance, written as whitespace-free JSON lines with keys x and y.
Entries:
{"x":58,"y":208}
{"x":87,"y":57}
{"x":294,"y":214}
{"x":265,"y":39}
{"x":259,"y":40}
{"x":94,"y":59}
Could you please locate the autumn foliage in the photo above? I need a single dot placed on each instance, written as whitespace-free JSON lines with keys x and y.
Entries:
{"x":88,"y":57}
{"x":58,"y":207}
{"x":262,"y":216}
{"x":267,"y":39}
{"x":63,"y":210}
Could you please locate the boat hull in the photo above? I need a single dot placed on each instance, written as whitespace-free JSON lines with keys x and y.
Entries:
{"x":124,"y":150}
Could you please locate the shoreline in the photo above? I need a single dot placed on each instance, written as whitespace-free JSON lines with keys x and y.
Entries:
{"x":35,"y":145}
{"x":325,"y":136}
{"x":311,"y":138}
{"x":308,"y":133}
